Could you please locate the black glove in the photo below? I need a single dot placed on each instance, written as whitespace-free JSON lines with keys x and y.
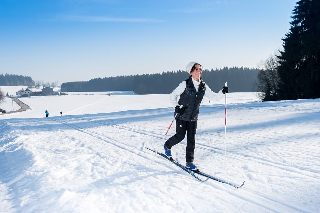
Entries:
{"x":179,"y":110}
{"x":225,"y":90}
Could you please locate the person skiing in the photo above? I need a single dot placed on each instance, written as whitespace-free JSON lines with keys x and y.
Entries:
{"x":190,"y":93}
{"x":47,"y":113}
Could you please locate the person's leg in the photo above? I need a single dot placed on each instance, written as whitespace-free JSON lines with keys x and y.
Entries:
{"x":179,"y":136}
{"x":191,"y":133}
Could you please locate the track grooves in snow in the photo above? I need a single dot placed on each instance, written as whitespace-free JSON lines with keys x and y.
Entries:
{"x":251,"y":196}
{"x":298,"y":170}
{"x":91,"y":159}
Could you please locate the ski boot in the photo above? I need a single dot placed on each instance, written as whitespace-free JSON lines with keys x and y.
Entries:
{"x":191,"y":166}
{"x":167,"y":152}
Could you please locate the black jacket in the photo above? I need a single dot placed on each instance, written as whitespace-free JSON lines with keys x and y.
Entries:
{"x":191,"y":99}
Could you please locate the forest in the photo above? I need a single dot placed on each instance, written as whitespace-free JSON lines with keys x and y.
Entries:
{"x":15,"y":80}
{"x":239,"y":79}
{"x":294,"y":73}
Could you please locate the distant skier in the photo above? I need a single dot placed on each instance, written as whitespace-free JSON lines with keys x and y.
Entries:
{"x":190,"y":93}
{"x":47,"y":113}
{"x":61,"y":113}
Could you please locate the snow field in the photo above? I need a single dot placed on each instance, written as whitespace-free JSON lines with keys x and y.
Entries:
{"x":92,"y":159}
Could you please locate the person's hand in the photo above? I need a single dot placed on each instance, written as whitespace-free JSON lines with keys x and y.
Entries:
{"x":225,"y":90}
{"x":179,"y":109}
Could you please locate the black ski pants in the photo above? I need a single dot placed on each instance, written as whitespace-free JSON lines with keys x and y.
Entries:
{"x":181,"y":128}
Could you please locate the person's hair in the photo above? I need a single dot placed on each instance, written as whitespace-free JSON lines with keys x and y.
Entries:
{"x":194,"y":67}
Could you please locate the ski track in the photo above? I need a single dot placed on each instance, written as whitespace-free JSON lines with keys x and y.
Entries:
{"x":104,"y":140}
{"x":265,"y":202}
{"x":247,"y":195}
{"x":234,"y":155}
{"x":111,"y":141}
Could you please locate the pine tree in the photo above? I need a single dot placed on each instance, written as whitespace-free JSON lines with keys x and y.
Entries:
{"x":299,"y":65}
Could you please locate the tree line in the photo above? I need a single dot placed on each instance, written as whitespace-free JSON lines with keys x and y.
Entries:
{"x":15,"y":80}
{"x":239,"y":79}
{"x":294,"y":73}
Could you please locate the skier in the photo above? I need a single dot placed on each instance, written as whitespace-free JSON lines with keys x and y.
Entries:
{"x":190,"y":93}
{"x":47,"y":113}
{"x":61,"y":113}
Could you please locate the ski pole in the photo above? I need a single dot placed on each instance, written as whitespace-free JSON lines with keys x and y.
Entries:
{"x":225,"y":120}
{"x":172,"y":123}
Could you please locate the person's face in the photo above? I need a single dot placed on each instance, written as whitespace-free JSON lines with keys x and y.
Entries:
{"x":196,"y":73}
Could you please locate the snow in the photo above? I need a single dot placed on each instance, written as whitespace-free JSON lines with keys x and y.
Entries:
{"x":92,"y":159}
{"x":11,"y":90}
{"x":9,"y":105}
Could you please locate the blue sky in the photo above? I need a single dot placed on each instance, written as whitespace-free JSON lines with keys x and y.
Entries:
{"x":76,"y":40}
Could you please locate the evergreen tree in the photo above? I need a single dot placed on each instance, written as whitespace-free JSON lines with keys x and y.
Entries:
{"x":15,"y":80}
{"x":299,"y":62}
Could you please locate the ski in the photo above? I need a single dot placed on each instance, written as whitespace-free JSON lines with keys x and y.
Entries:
{"x":191,"y":172}
{"x":219,"y":180}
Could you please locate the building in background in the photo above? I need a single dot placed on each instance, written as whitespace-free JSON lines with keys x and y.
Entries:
{"x":24,"y":93}
{"x":47,"y":91}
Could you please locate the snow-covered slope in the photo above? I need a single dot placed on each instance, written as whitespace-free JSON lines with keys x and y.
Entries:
{"x":9,"y":105}
{"x":91,"y":159}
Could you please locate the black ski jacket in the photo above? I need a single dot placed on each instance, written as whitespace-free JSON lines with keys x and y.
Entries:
{"x":191,"y":99}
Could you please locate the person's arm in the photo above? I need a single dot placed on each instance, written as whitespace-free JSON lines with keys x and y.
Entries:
{"x":177,"y":92}
{"x":213,"y":96}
